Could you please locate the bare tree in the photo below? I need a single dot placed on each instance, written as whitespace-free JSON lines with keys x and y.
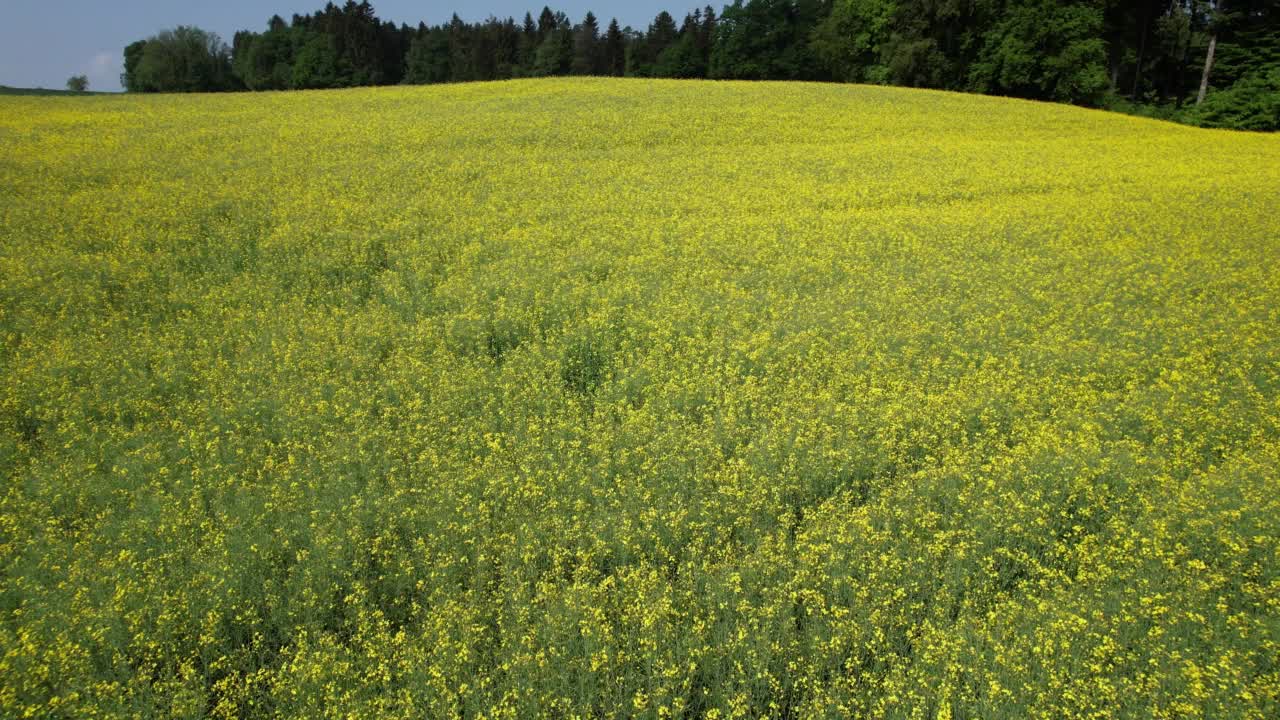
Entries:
{"x":1213,"y":44}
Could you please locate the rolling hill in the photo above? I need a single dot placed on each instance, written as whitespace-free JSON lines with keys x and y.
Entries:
{"x":600,"y":398}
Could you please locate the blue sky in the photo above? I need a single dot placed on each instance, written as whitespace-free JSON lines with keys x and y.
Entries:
{"x":44,"y":43}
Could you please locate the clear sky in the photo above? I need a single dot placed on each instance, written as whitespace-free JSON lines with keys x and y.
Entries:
{"x":44,"y":42}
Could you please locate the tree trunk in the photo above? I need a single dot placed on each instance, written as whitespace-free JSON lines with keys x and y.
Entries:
{"x":1208,"y":66}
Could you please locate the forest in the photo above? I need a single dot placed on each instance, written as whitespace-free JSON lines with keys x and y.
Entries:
{"x":1208,"y":62}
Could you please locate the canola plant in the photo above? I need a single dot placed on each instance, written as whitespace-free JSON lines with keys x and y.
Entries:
{"x":618,"y":398}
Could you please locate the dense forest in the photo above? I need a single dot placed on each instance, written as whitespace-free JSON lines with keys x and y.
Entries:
{"x":1209,"y":62}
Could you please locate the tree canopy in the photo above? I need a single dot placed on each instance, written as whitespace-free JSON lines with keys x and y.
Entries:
{"x":185,"y":59}
{"x":1149,"y":56}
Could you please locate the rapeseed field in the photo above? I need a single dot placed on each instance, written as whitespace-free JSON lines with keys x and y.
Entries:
{"x":605,"y":398}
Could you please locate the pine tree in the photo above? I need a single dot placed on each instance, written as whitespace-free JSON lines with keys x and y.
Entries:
{"x":615,"y":50}
{"x":586,"y":54}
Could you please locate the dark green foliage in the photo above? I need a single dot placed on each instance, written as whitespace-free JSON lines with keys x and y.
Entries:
{"x":336,"y":47}
{"x":850,"y":42}
{"x":316,"y":65}
{"x":615,"y":50}
{"x":264,"y":62}
{"x":767,"y":40}
{"x":185,"y":59}
{"x":1045,"y":49}
{"x":1244,"y":83}
{"x":587,"y":56}
{"x":555,"y":53}
{"x":132,"y":59}
{"x":356,"y":38}
{"x":1249,"y":43}
{"x":1145,"y":56}
{"x":78,"y":83}
{"x":682,"y":59}
{"x":933,"y":42}
{"x":547,"y":22}
{"x":689,"y":55}
{"x":461,"y":65}
{"x":1252,"y":103}
{"x":642,"y":58}
{"x":428,"y":57}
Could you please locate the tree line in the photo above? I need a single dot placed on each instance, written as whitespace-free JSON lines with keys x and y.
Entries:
{"x":1212,"y":62}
